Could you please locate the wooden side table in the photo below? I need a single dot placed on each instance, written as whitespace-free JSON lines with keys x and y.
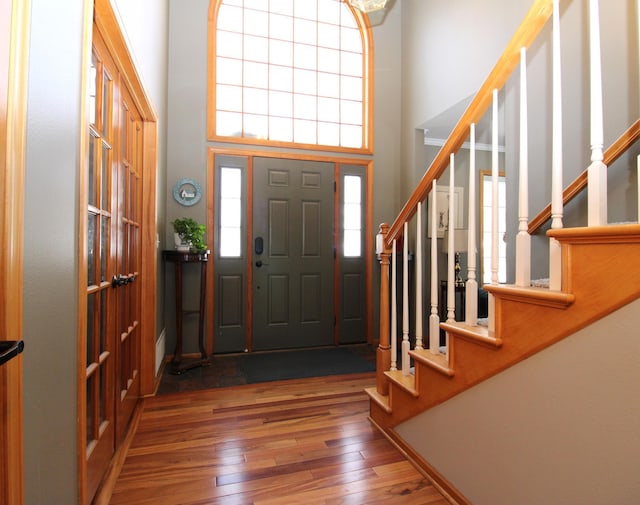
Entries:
{"x":179,"y":258}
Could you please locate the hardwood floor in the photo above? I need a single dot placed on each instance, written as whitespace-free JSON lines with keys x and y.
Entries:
{"x":305,"y":441}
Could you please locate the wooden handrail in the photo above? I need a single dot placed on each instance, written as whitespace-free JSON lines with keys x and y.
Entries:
{"x":616,"y":149}
{"x":526,"y":33}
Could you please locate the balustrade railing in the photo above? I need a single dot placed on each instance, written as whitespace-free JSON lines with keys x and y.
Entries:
{"x":515,"y":54}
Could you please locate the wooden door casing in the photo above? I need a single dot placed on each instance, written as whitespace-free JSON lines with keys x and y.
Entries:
{"x":231,"y":281}
{"x":14,"y":46}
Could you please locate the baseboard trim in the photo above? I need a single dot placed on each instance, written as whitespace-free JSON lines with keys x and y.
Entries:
{"x":105,"y":489}
{"x":445,"y":487}
{"x":161,"y":347}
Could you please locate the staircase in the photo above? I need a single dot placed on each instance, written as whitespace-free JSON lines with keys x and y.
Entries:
{"x":590,"y":292}
{"x":593,"y":270}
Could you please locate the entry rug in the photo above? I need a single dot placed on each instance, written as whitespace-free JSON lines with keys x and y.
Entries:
{"x":236,"y":369}
{"x":275,"y":366}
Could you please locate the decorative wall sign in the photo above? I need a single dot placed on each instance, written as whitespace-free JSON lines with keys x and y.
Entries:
{"x":442,"y":206}
{"x":187,"y":192}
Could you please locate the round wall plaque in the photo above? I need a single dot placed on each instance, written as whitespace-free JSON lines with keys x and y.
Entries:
{"x":187,"y":192}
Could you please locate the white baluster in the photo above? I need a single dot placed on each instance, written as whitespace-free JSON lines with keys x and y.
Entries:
{"x":471,"y":295}
{"x":597,"y":171}
{"x":405,"y":302}
{"x":394,"y":310}
{"x":523,"y":239}
{"x":419,"y":277}
{"x":451,"y":280}
{"x":495,"y":172}
{"x":434,"y":317}
{"x":555,"y":257}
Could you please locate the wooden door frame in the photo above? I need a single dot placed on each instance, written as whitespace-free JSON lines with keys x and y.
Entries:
{"x":106,"y":22}
{"x":210,"y":222}
{"x":14,"y":52}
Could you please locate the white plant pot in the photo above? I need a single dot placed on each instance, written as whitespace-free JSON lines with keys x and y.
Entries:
{"x":181,"y":245}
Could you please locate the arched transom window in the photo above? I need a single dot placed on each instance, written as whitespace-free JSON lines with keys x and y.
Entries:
{"x":289,"y":72}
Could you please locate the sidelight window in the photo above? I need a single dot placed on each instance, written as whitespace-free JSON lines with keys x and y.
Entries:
{"x":230,"y":212}
{"x":352,"y":221}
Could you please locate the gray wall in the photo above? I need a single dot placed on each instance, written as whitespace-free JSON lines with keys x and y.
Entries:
{"x":621,"y":108}
{"x":186,"y":143}
{"x":447,"y":54}
{"x":146,"y":27}
{"x":558,"y":428}
{"x":50,"y":248}
{"x":50,"y":253}
{"x":448,"y":49}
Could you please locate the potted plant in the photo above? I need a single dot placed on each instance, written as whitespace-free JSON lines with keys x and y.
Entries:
{"x":189,"y":234}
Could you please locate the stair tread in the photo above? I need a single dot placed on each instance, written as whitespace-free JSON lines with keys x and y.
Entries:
{"x":532,"y":294}
{"x":380,"y":399}
{"x":476,"y":333}
{"x":406,"y":382}
{"x":438,"y":362}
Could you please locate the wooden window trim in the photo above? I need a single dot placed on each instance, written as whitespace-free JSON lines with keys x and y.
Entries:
{"x":367,"y":95}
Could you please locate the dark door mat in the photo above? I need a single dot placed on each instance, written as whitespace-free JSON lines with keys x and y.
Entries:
{"x":249,"y":368}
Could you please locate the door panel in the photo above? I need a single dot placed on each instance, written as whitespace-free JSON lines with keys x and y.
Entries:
{"x":100,"y":349}
{"x":230,"y":257}
{"x":352,"y":316}
{"x":127,"y":294}
{"x":293,"y":275}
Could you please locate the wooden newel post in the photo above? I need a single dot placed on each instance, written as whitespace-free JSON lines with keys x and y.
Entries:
{"x":383,"y":356}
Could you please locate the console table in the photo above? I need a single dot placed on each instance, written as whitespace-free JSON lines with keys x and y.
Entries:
{"x":180,"y":258}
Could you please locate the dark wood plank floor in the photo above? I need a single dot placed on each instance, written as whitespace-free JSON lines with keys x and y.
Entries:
{"x":305,"y":441}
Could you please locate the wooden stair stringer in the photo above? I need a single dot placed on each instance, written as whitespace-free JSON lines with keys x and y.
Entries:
{"x":528,"y":320}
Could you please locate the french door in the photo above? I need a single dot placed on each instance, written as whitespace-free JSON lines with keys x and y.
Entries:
{"x":112,"y":338}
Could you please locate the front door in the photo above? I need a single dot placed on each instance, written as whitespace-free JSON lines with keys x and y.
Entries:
{"x":292,"y":253}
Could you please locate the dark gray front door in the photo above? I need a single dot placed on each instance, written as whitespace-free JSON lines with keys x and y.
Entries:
{"x":293,"y":253}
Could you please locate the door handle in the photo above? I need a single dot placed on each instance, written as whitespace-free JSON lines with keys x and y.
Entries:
{"x":260,"y":263}
{"x":259,"y":245}
{"x":121,"y":280}
{"x":9,"y":349}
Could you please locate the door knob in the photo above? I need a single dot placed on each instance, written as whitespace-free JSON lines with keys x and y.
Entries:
{"x":260,"y":263}
{"x":120,"y":280}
